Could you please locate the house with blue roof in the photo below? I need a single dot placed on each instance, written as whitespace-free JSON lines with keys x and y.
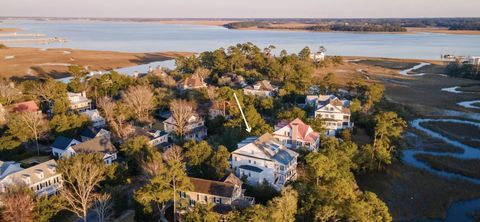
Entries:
{"x":62,"y":144}
{"x":265,"y":158}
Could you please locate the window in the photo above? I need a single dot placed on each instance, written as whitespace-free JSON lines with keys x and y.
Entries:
{"x":249,"y":161}
{"x":235,"y":158}
{"x":218,"y":200}
{"x":206,"y":198}
{"x":255,"y":162}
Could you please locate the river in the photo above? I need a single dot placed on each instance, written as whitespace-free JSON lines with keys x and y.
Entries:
{"x":150,"y":37}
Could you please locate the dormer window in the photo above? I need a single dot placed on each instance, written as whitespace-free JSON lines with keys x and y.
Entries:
{"x":52,"y":168}
{"x":39,"y":173}
{"x":26,"y":178}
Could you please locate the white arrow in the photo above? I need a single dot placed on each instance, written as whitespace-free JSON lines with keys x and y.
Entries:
{"x":241,"y":111}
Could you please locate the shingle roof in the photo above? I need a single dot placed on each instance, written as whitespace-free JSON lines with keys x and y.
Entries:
{"x":95,"y":145}
{"x":212,"y":187}
{"x":90,"y":132}
{"x":48,"y":169}
{"x":232,"y":179}
{"x":25,"y":106}
{"x":250,"y":168}
{"x":62,"y":142}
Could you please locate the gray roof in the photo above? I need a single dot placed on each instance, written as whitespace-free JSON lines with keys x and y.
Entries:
{"x":283,"y":157}
{"x":96,"y":145}
{"x":62,"y":142}
{"x":212,"y":187}
{"x":251,"y":168}
{"x":48,"y":169}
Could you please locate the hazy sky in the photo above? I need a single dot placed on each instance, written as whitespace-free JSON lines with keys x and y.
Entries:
{"x":241,"y":8}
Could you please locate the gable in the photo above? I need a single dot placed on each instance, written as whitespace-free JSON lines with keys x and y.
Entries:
{"x":252,"y":150}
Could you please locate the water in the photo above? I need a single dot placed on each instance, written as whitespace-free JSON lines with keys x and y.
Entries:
{"x":150,"y":37}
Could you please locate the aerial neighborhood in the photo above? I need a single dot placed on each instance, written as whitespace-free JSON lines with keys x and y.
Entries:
{"x":229,"y":137}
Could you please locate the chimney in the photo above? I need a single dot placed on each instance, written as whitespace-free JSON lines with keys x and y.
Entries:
{"x":294,"y":134}
{"x":84,"y":94}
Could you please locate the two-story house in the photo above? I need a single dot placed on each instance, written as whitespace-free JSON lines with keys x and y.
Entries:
{"x":265,"y":159}
{"x":66,"y":147}
{"x":95,"y":118}
{"x":297,"y":134}
{"x":79,"y":101}
{"x":332,"y":110}
{"x":89,"y":133}
{"x":261,"y":89}
{"x":227,"y":192}
{"x":194,"y":129}
{"x":156,"y":138}
{"x":42,"y":179}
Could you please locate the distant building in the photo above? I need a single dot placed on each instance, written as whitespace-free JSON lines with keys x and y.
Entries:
{"x":66,"y":147}
{"x":262,"y":89}
{"x":192,"y":82}
{"x":227,"y":192}
{"x":42,"y":179}
{"x":79,"y":101}
{"x":296,"y":134}
{"x":30,"y":106}
{"x":317,"y":57}
{"x":332,"y":110}
{"x":218,"y":109}
{"x":194,"y":130}
{"x":89,"y":133}
{"x":232,"y":80}
{"x":265,"y":159}
{"x":95,"y":117}
{"x":474,"y":60}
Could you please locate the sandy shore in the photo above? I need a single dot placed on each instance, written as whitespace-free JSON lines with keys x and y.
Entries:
{"x":33,"y":62}
{"x":8,"y":30}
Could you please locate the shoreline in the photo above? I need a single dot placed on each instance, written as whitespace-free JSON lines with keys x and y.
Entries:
{"x":9,"y":30}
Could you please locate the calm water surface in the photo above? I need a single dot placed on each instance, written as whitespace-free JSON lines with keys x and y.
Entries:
{"x":150,"y":37}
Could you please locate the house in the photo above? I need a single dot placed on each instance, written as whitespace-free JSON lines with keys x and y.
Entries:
{"x":218,"y":109}
{"x":227,"y":192}
{"x":265,"y":159}
{"x":317,"y":57}
{"x":29,"y":106}
{"x":332,"y":110}
{"x":100,"y":145}
{"x":262,"y":89}
{"x":192,"y":82}
{"x":296,"y":134}
{"x":157,"y":138}
{"x":194,"y":129}
{"x":89,"y":133}
{"x":79,"y":101}
{"x":8,"y":167}
{"x":232,"y":80}
{"x":95,"y":117}
{"x":42,"y":179}
{"x":474,"y":60}
{"x":61,"y":144}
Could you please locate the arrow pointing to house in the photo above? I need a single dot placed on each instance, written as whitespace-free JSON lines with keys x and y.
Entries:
{"x":241,"y":111}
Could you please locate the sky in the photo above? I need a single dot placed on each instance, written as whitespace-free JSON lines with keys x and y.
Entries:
{"x":241,"y":8}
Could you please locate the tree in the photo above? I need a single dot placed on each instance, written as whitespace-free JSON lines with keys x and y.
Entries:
{"x":46,"y":91}
{"x":8,"y":94}
{"x":219,"y":161}
{"x":46,"y":207}
{"x":139,"y":99}
{"x":181,"y":111}
{"x":304,"y":54}
{"x":373,"y":94}
{"x":136,"y":150}
{"x":388,"y":127}
{"x":202,"y":213}
{"x":165,"y":184}
{"x":292,"y":114}
{"x":17,"y":204}
{"x":103,"y":206}
{"x":68,"y":123}
{"x":202,"y":72}
{"x":28,"y":125}
{"x":82,"y":174}
{"x":197,"y":153}
{"x":114,"y":116}
{"x":284,"y":208}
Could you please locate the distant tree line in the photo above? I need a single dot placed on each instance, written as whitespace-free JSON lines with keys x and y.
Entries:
{"x":358,"y":28}
{"x":459,"y":69}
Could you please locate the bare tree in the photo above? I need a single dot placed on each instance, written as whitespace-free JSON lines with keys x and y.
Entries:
{"x":202,"y":72}
{"x":115,"y":118}
{"x":139,"y":99}
{"x":82,"y":173}
{"x":8,"y":93}
{"x":103,"y":207}
{"x":174,"y":154}
{"x":28,"y":125}
{"x":17,"y":204}
{"x":181,"y":111}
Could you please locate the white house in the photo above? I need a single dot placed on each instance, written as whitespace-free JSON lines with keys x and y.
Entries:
{"x":265,"y":159}
{"x":474,"y":60}
{"x":317,"y":57}
{"x":100,"y":145}
{"x":262,"y":89}
{"x":332,"y":110}
{"x":8,"y":167}
{"x":95,"y":117}
{"x":61,"y":144}
{"x":157,"y":138}
{"x":296,"y":134}
{"x":194,"y":130}
{"x":79,"y":101}
{"x":42,"y":179}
